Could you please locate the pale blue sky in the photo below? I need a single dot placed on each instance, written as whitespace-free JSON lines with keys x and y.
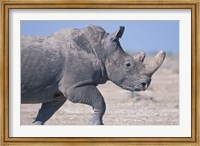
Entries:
{"x":148,"y":36}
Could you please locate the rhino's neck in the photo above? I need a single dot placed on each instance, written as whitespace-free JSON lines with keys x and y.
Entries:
{"x":101,"y":63}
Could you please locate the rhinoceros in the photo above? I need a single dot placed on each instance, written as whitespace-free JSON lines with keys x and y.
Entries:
{"x":70,"y":63}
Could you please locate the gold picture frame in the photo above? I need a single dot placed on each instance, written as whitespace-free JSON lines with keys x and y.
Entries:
{"x":129,"y":4}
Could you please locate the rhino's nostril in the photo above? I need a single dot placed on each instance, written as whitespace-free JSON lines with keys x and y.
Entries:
{"x":143,"y":84}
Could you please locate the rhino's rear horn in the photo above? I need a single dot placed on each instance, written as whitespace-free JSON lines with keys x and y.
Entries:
{"x":139,"y":57}
{"x":153,"y":65}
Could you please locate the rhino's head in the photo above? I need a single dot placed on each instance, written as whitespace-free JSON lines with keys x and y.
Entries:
{"x":128,"y":72}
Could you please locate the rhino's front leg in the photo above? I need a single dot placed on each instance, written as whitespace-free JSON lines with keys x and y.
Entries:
{"x":48,"y":109}
{"x":90,"y":95}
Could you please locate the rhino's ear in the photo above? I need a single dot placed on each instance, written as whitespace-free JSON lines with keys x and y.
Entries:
{"x":118,"y":34}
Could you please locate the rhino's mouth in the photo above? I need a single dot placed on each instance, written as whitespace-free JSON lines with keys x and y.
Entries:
{"x":141,"y":86}
{"x":133,"y":88}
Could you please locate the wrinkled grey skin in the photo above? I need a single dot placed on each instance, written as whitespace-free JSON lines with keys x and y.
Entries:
{"x":69,"y":64}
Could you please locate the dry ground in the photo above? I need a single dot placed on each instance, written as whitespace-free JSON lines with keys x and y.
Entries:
{"x":159,"y":105}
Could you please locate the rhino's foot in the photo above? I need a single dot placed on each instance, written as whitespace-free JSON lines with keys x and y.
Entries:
{"x":90,"y":95}
{"x":96,"y":120}
{"x":96,"y":123}
{"x":48,"y":109}
{"x":37,"y":123}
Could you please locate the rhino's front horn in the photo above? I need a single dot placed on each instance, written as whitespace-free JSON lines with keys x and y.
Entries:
{"x":152,"y":66}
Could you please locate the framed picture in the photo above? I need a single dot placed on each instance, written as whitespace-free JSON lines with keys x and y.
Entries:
{"x":134,"y":63}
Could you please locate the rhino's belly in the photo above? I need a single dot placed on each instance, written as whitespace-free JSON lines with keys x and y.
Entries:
{"x":39,"y":95}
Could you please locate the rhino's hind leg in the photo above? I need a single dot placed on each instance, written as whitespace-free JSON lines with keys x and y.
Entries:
{"x":48,"y":109}
{"x":90,"y":95}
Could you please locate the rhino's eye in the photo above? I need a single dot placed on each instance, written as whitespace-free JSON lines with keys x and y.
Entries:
{"x":128,"y":64}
